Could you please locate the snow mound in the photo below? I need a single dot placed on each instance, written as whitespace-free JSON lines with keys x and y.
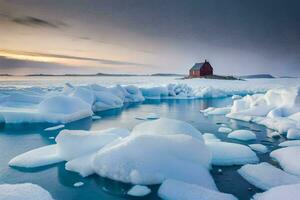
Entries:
{"x":288,"y":192}
{"x":177,"y":190}
{"x":165,"y":126}
{"x":224,"y":130}
{"x":259,"y":148}
{"x":243,"y":135}
{"x":26,"y":191}
{"x":288,"y":159}
{"x":266,"y":176}
{"x":134,"y":160}
{"x":139,"y":191}
{"x":225,"y":154}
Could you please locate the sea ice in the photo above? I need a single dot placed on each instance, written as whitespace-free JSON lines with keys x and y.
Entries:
{"x":266,"y":176}
{"x":26,"y":191}
{"x":290,"y":143}
{"x":78,"y":184}
{"x":209,"y":137}
{"x":53,"y":128}
{"x":216,"y":111}
{"x":243,"y":135}
{"x":42,"y":156}
{"x":259,"y":148}
{"x":96,"y":117}
{"x":139,"y":191}
{"x":293,"y":134}
{"x":286,"y":192}
{"x":224,"y":130}
{"x":134,"y":160}
{"x":166,"y":126}
{"x":225,"y":154}
{"x":178,"y":190}
{"x":288,"y":159}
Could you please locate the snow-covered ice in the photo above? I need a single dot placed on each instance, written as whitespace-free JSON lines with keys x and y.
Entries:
{"x":96,"y":117}
{"x":53,"y":128}
{"x":288,"y":159}
{"x":266,"y":176}
{"x":293,"y":134}
{"x":286,"y":192}
{"x":243,"y":135}
{"x":289,"y":143}
{"x":216,"y":111}
{"x":224,"y":130}
{"x":78,"y":184}
{"x":225,"y":154}
{"x":26,"y":191}
{"x":139,"y":191}
{"x":259,"y":148}
{"x":178,"y":190}
{"x":209,"y":137}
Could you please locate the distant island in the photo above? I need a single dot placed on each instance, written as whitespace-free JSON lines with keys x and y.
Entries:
{"x":257,"y":76}
{"x":104,"y":74}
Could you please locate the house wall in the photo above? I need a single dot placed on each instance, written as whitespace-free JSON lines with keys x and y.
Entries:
{"x":194,"y":73}
{"x":206,"y":70}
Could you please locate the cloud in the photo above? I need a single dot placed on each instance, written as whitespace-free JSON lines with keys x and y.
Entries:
{"x":36,"y":22}
{"x":13,"y":53}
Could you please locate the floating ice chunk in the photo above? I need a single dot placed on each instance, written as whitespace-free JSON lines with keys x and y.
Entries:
{"x":259,"y":148}
{"x":85,"y":94}
{"x":152,"y":116}
{"x":234,"y":97}
{"x":139,"y":191}
{"x":177,"y":190}
{"x":290,"y":143}
{"x":266,"y":176}
{"x":209,"y":137}
{"x":133,"y":94}
{"x":24,"y":191}
{"x":216,"y":111}
{"x":53,"y":128}
{"x":37,"y":157}
{"x":63,"y":109}
{"x":243,"y":135}
{"x":287,"y":192}
{"x":225,"y":154}
{"x":288,"y":159}
{"x":134,"y":160}
{"x":78,"y":184}
{"x":51,"y":138}
{"x":293,"y":134}
{"x":105,"y":100}
{"x":166,"y":126}
{"x":155,"y":92}
{"x":96,"y":117}
{"x":75,"y":143}
{"x":224,"y":130}
{"x":81,"y":165}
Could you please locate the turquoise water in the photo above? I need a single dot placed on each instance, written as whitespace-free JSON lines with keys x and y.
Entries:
{"x":16,"y":139}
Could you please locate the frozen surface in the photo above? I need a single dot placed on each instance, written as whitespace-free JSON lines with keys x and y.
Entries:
{"x":293,"y":133}
{"x":178,"y":190}
{"x":209,"y":137}
{"x":78,"y":184}
{"x":287,"y":192}
{"x":288,"y":159}
{"x":139,"y":191}
{"x":26,"y":191}
{"x":266,"y":176}
{"x":225,"y":154}
{"x":243,"y":135}
{"x":216,"y":111}
{"x":259,"y":148}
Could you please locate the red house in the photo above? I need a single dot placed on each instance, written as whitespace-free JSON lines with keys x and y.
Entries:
{"x":201,"y":69}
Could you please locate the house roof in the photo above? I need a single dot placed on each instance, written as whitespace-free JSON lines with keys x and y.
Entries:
{"x":197,"y":66}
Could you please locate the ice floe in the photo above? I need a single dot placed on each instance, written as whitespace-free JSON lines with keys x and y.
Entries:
{"x":216,"y":111}
{"x":266,"y":176}
{"x":139,"y":191}
{"x":209,"y":137}
{"x":259,"y":148}
{"x":78,"y":184}
{"x":243,"y":135}
{"x":53,"y":128}
{"x":288,"y":159}
{"x":24,"y":191}
{"x":178,"y":190}
{"x":289,"y":143}
{"x":224,"y":130}
{"x":293,"y":134}
{"x":287,"y":192}
{"x":225,"y":154}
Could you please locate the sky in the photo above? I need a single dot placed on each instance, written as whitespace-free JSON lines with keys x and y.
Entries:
{"x":149,"y":36}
